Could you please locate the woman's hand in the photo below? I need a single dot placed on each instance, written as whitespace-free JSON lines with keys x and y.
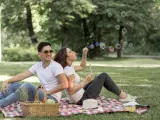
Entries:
{"x":89,"y":78}
{"x":5,"y":87}
{"x":85,"y":51}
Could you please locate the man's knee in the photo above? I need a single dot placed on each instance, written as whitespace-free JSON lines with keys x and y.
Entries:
{"x":10,"y":85}
{"x":27,"y":84}
{"x":14,"y":86}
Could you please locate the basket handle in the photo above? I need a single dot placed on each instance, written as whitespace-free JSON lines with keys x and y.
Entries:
{"x":37,"y":95}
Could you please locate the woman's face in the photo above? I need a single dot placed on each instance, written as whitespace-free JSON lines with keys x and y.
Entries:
{"x":71,"y":55}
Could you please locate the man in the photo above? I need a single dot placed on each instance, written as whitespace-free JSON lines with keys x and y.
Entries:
{"x":49,"y":72}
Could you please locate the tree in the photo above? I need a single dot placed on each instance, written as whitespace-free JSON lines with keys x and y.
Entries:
{"x":121,"y":20}
{"x":18,"y":18}
{"x":63,"y":14}
{"x":30,"y":24}
{"x":79,"y":23}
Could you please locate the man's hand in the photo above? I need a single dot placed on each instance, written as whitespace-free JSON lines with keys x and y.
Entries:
{"x":16,"y":78}
{"x":4,"y":87}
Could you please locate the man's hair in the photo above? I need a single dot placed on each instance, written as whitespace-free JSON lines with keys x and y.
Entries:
{"x":41,"y":45}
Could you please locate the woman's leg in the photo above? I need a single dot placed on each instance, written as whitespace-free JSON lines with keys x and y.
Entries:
{"x":112,"y":87}
{"x":109,"y":84}
{"x":95,"y":87}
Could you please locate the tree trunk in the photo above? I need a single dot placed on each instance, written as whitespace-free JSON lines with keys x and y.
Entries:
{"x":30,"y":25}
{"x":85,"y":29}
{"x":99,"y":40}
{"x":120,"y":41}
{"x":86,"y":37}
{"x":65,"y":37}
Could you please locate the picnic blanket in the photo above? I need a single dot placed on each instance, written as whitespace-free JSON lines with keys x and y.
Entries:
{"x":66,"y":109}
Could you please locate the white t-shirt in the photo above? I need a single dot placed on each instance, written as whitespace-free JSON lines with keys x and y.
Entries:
{"x":47,"y":76}
{"x":69,"y":70}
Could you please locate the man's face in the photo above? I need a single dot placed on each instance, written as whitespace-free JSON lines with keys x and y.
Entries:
{"x":46,"y":53}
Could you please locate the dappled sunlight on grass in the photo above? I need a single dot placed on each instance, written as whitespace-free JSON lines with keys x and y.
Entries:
{"x":142,"y":82}
{"x":125,"y":63}
{"x":113,"y":73}
{"x":141,"y":85}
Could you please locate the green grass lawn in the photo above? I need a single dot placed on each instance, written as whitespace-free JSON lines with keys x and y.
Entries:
{"x":144,"y":82}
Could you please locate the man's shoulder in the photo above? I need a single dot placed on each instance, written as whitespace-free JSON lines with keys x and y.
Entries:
{"x":35,"y":67}
{"x":54,"y":64}
{"x":37,"y":63}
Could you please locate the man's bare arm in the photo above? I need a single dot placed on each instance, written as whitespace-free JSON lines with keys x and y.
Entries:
{"x":20,"y":77}
{"x":16,"y":78}
{"x":63,"y":84}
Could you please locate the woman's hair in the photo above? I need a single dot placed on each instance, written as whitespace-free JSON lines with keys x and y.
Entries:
{"x":61,"y":57}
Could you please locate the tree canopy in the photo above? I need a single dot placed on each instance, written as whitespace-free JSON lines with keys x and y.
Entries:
{"x":79,"y":23}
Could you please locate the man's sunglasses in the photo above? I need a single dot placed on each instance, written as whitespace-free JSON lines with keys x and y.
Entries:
{"x":47,"y":51}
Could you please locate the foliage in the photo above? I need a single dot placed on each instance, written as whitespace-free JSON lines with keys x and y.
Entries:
{"x":62,"y":23}
{"x":17,"y":53}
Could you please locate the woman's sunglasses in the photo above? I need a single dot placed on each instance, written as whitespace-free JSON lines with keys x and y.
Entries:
{"x":47,"y":51}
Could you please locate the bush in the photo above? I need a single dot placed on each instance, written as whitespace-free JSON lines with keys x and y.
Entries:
{"x":17,"y":53}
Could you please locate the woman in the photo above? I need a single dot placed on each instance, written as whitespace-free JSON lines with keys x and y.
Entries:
{"x":91,"y":87}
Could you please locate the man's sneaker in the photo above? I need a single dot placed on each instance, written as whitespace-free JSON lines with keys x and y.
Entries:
{"x":129,"y":98}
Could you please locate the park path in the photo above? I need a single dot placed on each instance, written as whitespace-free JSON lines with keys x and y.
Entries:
{"x":101,"y":64}
{"x":141,"y":56}
{"x":126,"y":65}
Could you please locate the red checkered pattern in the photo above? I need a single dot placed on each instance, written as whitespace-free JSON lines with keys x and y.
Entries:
{"x":104,"y":106}
{"x":12,"y":110}
{"x":141,"y":110}
{"x":66,"y":109}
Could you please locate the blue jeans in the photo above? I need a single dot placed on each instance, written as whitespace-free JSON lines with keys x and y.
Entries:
{"x":13,"y":94}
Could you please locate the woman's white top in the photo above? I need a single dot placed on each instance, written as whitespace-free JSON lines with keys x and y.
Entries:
{"x":69,"y":70}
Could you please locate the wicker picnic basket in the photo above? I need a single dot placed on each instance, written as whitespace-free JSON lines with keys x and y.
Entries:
{"x":38,"y":108}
